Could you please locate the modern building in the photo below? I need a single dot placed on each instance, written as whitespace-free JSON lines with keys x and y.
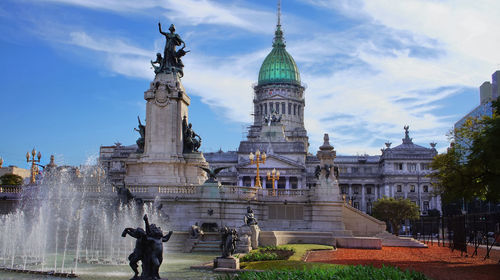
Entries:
{"x":488,"y":92}
{"x":278,"y":131}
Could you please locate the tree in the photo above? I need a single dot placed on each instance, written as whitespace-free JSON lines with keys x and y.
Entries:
{"x":484,"y":158}
{"x":470,"y":169}
{"x":11,"y":180}
{"x":394,"y":211}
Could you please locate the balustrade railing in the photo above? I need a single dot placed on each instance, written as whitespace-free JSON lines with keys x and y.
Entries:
{"x":11,"y":189}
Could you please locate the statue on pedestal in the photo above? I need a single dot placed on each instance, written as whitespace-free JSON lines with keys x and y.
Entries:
{"x":142,"y":131}
{"x":191,"y":140}
{"x":148,"y":249}
{"x":228,"y":244}
{"x":249,"y":218}
{"x":171,"y":61}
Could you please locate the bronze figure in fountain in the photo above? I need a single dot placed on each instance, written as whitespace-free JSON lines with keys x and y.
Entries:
{"x":148,"y":249}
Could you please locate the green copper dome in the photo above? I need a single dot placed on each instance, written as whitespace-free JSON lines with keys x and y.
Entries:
{"x":279,"y":66}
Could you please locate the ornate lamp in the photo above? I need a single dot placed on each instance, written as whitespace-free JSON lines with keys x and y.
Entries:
{"x":273,"y":176}
{"x":34,"y":166}
{"x":257,"y":159}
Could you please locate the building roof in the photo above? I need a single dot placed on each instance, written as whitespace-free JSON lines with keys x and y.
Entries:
{"x":279,"y":66}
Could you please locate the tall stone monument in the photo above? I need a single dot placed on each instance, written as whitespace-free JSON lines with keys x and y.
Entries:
{"x":170,"y":155}
{"x":327,"y":204}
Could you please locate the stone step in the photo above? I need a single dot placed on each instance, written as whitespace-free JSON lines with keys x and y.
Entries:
{"x":390,"y":240}
{"x":403,"y":243}
{"x":206,"y":249}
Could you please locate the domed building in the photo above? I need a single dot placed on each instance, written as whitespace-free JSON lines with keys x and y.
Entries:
{"x":278,"y":131}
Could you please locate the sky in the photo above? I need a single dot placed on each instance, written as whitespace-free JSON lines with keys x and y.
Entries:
{"x":73,"y":72}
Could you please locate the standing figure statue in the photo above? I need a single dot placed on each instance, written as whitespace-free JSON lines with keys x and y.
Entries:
{"x":139,"y":250}
{"x":142,"y":131}
{"x":172,"y":62}
{"x":228,"y":243}
{"x":148,"y":250}
{"x":191,"y":140}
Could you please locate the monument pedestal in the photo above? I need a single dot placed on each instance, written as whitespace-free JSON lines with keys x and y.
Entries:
{"x":227,"y":263}
{"x":164,"y":161}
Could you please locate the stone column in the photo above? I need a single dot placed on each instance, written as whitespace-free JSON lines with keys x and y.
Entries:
{"x":287,"y":184}
{"x":350,"y":190}
{"x":264,"y":182}
{"x":363,"y":203}
{"x":252,"y":181}
{"x":240,"y":181}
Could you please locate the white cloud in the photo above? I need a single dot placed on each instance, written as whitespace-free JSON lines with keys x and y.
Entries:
{"x":189,"y":12}
{"x":392,"y":68}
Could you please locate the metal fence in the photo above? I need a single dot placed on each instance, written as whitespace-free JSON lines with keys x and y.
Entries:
{"x":460,"y":232}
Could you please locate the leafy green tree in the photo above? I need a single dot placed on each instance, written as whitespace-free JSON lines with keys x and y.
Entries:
{"x":470,"y":169}
{"x":11,"y":180}
{"x":484,"y":158}
{"x":394,"y":211}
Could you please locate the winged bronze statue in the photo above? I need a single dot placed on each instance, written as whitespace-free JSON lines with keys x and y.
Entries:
{"x":212,"y":173}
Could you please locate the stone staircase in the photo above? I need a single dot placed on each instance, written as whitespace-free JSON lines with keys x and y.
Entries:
{"x":206,"y":246}
{"x":390,"y":240}
{"x":176,"y":242}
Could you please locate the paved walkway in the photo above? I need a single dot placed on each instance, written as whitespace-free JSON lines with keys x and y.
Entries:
{"x":436,"y":262}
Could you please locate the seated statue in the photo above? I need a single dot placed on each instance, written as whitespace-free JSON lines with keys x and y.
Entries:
{"x":196,"y":231}
{"x":250,"y":219}
{"x":192,"y":141}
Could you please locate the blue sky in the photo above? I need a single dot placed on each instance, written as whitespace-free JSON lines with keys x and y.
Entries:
{"x":73,"y":72}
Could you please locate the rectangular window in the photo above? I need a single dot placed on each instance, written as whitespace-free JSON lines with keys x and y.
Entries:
{"x":298,"y":110}
{"x":398,"y":166}
{"x":271,"y":108}
{"x":368,"y":190}
{"x":368,"y":170}
{"x":294,"y":109}
{"x":283,"y":111}
{"x":356,"y":190}
{"x":426,"y":188}
{"x":426,"y":205}
{"x":289,"y":108}
{"x":344,"y":190}
{"x":277,"y":108}
{"x":354,"y":170}
{"x":265,"y":109}
{"x":424,"y":166}
{"x":412,"y":188}
{"x":412,"y":167}
{"x":399,"y":188}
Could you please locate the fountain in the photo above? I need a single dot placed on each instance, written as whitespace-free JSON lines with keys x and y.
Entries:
{"x":64,"y":221}
{"x":70,"y":225}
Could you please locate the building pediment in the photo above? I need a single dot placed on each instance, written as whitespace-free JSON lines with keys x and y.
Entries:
{"x":272,"y":162}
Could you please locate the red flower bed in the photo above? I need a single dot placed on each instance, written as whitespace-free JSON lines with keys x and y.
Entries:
{"x":438,"y":263}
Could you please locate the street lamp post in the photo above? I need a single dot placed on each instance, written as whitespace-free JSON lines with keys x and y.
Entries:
{"x":275,"y":176}
{"x":257,"y":159}
{"x":34,"y":166}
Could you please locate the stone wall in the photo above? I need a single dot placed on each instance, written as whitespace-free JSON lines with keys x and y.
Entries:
{"x":359,"y":223}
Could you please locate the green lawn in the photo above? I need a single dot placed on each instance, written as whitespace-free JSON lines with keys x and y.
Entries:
{"x":295,"y":268}
{"x":294,"y":262}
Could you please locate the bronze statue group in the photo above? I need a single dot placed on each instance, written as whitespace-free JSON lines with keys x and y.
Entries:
{"x":148,"y":249}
